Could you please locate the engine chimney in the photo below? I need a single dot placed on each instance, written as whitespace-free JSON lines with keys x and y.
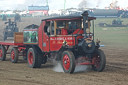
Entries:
{"x":85,"y":22}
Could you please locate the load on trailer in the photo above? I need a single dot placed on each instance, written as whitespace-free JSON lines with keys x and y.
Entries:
{"x":9,"y":30}
{"x":67,"y":39}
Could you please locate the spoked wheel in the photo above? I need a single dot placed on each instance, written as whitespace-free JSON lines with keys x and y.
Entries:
{"x":99,"y":61}
{"x":34,"y":61}
{"x":14,"y":55}
{"x":2,"y":53}
{"x":68,"y":62}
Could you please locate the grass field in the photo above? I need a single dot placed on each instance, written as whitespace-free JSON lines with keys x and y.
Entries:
{"x":112,"y":36}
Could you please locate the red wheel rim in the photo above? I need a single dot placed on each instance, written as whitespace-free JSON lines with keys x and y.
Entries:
{"x":12,"y":55}
{"x":30,"y":58}
{"x":1,"y":53}
{"x":66,"y":62}
{"x":97,"y":61}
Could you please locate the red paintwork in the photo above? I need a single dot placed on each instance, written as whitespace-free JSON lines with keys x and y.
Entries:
{"x":1,"y":53}
{"x":66,"y":62}
{"x":8,"y":44}
{"x":78,"y":31}
{"x":45,"y":43}
{"x":11,"y":43}
{"x":12,"y":55}
{"x":30,"y":58}
{"x":64,"y":31}
{"x":21,"y":48}
{"x":40,"y":35}
{"x":56,"y":42}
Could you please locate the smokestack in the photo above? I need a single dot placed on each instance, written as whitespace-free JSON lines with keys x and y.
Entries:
{"x":85,"y":21}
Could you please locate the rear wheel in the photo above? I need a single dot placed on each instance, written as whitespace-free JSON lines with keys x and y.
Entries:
{"x":2,"y":53}
{"x":34,"y":60}
{"x":99,"y":61}
{"x":14,"y":55}
{"x":68,"y":62}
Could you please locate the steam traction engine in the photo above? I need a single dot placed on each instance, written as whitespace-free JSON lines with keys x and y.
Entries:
{"x":10,"y":28}
{"x":67,"y":39}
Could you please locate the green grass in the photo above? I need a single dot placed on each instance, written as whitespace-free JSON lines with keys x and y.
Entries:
{"x":112,"y":36}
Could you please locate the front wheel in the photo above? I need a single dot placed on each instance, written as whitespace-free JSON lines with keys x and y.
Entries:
{"x":68,"y":62}
{"x":99,"y":61}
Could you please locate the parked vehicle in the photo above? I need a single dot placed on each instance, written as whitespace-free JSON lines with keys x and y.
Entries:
{"x":108,"y":13}
{"x":9,"y":30}
{"x":115,"y":23}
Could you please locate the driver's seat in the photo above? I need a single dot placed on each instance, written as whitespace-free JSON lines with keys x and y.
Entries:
{"x":64,"y":31}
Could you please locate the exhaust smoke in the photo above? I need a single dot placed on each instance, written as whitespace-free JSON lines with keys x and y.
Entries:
{"x":58,"y":67}
{"x":79,"y":68}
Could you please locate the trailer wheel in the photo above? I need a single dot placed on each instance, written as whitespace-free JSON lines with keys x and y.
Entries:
{"x":2,"y":53}
{"x":68,"y":62}
{"x":14,"y":55}
{"x":34,"y":60}
{"x":99,"y":61}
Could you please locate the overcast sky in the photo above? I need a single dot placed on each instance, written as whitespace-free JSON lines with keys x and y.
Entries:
{"x":57,"y":4}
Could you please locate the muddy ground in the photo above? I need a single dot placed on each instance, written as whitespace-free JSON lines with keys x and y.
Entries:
{"x":115,"y":73}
